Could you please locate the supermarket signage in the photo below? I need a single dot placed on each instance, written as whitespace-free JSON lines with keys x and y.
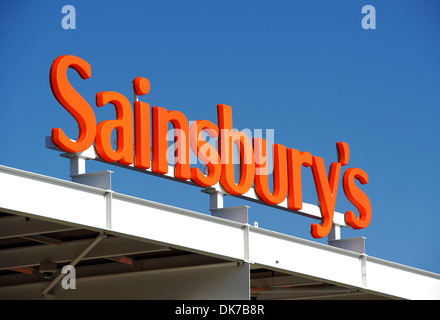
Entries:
{"x":142,"y":142}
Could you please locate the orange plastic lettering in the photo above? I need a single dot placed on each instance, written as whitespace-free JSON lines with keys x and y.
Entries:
{"x":296,"y":160}
{"x":343,"y":153}
{"x":161,"y":118}
{"x":357,"y":197}
{"x":142,"y":136}
{"x":227,"y":138}
{"x":73,"y":102}
{"x":327,"y":189}
{"x":262,"y":176}
{"x":206,"y":153}
{"x":123,"y":125}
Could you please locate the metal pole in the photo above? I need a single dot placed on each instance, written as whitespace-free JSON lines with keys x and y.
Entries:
{"x":77,"y":259}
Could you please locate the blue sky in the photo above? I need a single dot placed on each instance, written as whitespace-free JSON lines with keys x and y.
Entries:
{"x":306,"y":69}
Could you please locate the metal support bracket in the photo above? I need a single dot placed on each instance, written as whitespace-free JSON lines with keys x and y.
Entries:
{"x":352,"y":244}
{"x":215,"y":198}
{"x":239,"y":214}
{"x":99,"y":179}
{"x":335,"y":233}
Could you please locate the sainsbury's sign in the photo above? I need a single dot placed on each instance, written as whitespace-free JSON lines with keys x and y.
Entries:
{"x":142,"y":142}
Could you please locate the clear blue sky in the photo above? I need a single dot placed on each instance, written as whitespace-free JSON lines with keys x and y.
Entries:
{"x":306,"y":69}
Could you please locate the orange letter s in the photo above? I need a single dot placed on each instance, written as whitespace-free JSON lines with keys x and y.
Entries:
{"x":357,"y":197}
{"x":74,"y":103}
{"x":205,"y":152}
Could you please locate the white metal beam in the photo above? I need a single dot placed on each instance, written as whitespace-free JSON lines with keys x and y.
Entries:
{"x":52,"y":200}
